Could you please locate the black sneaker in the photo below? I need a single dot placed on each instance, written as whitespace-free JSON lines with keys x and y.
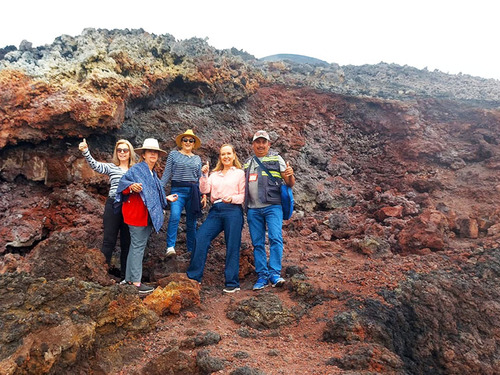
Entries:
{"x":231,"y":289}
{"x":144,"y":289}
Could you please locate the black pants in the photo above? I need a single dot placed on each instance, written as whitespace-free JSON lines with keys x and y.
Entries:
{"x":113,"y":223}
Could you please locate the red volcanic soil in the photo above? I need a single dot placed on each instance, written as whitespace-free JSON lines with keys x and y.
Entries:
{"x":297,"y":348}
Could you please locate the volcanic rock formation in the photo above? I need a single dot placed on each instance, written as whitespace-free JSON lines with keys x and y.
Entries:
{"x":391,"y":257}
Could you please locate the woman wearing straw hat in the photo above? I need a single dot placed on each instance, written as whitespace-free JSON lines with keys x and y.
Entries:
{"x":183,"y":169}
{"x":143,"y":201}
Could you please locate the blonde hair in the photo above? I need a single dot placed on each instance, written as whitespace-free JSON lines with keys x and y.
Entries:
{"x":236,"y":161}
{"x":132,"y":157}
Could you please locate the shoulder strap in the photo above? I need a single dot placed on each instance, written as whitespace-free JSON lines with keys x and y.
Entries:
{"x":266,"y":170}
{"x":247,"y":170}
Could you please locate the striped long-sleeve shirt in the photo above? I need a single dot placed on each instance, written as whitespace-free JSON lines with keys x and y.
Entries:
{"x":182,"y":168}
{"x":112,"y":170}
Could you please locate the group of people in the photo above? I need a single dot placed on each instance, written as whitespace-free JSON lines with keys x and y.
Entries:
{"x":137,"y":201}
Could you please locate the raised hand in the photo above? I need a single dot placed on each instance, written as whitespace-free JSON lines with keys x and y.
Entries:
{"x":205,"y":168}
{"x":289,"y":170}
{"x":288,"y":175}
{"x":83,"y":145}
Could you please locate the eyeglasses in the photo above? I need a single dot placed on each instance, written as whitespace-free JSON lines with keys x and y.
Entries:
{"x":190,"y":140}
{"x":122,"y":150}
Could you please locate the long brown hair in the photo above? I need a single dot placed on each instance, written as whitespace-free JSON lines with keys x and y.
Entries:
{"x":133,"y":158}
{"x":236,"y":161}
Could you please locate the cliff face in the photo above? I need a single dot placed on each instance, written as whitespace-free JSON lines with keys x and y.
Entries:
{"x":397,"y":171}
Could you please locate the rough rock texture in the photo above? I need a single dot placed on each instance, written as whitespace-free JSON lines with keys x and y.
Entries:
{"x":50,"y":326}
{"x":82,"y":84}
{"x":262,"y":312}
{"x":173,"y":362}
{"x":174,"y":296}
{"x":444,"y":322}
{"x":73,"y":259}
{"x":389,"y":258}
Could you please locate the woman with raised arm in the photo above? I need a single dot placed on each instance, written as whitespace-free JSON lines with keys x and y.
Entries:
{"x":123,"y":159}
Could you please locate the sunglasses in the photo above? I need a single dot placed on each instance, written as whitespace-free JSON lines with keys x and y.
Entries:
{"x":122,"y":150}
{"x":190,"y":140}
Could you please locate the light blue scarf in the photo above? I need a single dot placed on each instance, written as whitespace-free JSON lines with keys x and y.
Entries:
{"x":152,"y":193}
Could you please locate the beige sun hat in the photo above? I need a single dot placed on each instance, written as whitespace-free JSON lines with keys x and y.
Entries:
{"x":188,"y":133}
{"x":151,"y":144}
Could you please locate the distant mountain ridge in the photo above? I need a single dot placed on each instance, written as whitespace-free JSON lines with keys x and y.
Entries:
{"x":301,"y":59}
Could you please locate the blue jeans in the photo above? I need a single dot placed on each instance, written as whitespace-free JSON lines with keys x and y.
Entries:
{"x":221,"y":217}
{"x":138,"y":240}
{"x":258,"y":219}
{"x":183,"y":201}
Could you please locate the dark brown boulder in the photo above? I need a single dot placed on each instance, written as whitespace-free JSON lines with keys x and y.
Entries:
{"x":60,"y":257}
{"x":441,"y":322}
{"x":265,"y":311}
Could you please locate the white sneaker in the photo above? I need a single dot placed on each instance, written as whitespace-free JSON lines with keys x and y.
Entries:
{"x":170,"y":252}
{"x":231,"y":289}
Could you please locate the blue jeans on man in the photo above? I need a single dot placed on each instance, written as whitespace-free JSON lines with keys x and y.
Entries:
{"x":258,"y":219}
{"x":221,"y":217}
{"x":183,"y":201}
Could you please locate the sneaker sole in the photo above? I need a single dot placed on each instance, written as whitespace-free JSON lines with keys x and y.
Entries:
{"x":170,"y":254}
{"x":144,"y":293}
{"x":231,"y":290}
{"x":278,"y":284}
{"x":259,"y":288}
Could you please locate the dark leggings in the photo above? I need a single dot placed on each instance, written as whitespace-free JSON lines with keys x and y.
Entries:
{"x":113,"y":223}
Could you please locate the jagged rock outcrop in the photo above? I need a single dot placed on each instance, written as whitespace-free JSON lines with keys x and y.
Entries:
{"x":171,"y":297}
{"x":50,"y":326}
{"x":83,"y":84}
{"x":441,"y":323}
{"x":263,"y":312}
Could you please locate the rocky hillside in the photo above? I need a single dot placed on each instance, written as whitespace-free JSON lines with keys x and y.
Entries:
{"x":391,"y":257}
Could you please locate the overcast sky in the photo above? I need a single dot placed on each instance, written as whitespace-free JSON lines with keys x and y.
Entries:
{"x":451,"y":36}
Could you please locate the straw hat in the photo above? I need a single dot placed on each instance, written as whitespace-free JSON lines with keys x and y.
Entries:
{"x":188,"y":133}
{"x":151,"y":144}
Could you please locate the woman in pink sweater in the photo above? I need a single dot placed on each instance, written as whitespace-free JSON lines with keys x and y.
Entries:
{"x":226,"y":186}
